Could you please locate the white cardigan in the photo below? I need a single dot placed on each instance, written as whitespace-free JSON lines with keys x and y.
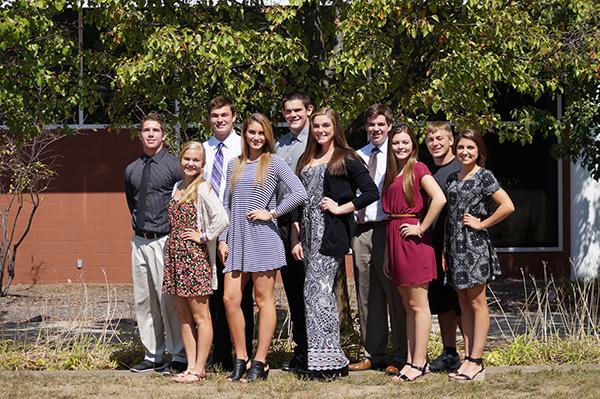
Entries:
{"x":212,"y":220}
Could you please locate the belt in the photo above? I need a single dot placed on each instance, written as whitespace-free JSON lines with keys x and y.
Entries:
{"x":401,"y":215}
{"x":149,"y":235}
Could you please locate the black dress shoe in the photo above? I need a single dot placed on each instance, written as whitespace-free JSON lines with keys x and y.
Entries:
{"x":295,"y":363}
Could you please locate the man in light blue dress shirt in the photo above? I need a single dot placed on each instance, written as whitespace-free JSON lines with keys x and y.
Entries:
{"x":376,"y":293}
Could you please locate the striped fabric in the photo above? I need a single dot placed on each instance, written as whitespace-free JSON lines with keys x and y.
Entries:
{"x":256,"y":246}
{"x":217,"y":169}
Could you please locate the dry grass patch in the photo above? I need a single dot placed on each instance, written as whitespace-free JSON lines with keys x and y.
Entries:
{"x":514,"y":384}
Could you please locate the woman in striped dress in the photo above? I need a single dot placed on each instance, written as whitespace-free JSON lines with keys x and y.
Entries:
{"x":251,"y":248}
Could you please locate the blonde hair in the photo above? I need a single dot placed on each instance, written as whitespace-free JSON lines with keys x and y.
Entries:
{"x":191,"y":191}
{"x":435,"y":127}
{"x":267,"y":150}
{"x":393,"y":164}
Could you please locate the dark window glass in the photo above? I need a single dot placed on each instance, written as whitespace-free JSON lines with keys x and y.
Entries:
{"x":530,"y":176}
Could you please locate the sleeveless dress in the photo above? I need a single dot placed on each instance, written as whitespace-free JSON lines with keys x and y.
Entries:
{"x":322,"y":319}
{"x":471,"y":257}
{"x":187,"y":267}
{"x":411,"y":260}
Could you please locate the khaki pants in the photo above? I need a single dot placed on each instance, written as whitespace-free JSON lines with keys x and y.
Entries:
{"x":155,"y":312}
{"x":376,"y":295}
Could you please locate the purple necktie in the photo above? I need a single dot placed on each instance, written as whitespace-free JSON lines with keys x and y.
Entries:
{"x":217,"y":169}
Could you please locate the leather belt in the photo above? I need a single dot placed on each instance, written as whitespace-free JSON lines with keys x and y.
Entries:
{"x":402,"y":215}
{"x":149,"y":235}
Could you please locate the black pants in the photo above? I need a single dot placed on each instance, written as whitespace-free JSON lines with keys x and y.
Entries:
{"x":293,"y":283}
{"x":222,"y":350}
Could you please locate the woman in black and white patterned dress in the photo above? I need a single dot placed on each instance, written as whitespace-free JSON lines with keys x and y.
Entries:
{"x":471,"y":258}
{"x":332,"y":173}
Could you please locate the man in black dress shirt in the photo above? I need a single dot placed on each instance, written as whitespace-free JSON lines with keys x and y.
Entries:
{"x":149,"y":181}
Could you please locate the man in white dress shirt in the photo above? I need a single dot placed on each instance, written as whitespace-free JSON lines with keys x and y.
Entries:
{"x":224,"y":145}
{"x":376,"y":293}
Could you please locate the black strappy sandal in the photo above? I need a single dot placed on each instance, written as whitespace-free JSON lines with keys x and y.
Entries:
{"x":257,"y":371}
{"x":239,"y":369}
{"x":404,"y":378}
{"x":478,"y":376}
{"x":454,"y":373}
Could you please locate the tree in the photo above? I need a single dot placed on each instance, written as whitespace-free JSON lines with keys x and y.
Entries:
{"x":428,"y":59}
{"x":39,"y":87}
{"x":26,"y":170}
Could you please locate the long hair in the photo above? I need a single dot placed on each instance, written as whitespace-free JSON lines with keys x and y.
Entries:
{"x":337,"y":164}
{"x":393,"y":167}
{"x":477,"y":138}
{"x":191,"y":192}
{"x":267,"y":150}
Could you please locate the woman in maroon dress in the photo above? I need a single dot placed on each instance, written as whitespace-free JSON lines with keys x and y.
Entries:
{"x":407,"y":186}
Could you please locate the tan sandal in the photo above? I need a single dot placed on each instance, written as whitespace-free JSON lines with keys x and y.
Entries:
{"x":189,"y":377}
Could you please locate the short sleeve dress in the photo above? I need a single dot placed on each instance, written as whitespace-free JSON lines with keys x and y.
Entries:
{"x":471,"y":257}
{"x":411,"y":259}
{"x":256,"y":246}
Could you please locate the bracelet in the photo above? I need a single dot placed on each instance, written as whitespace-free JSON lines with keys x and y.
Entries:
{"x":203,"y":238}
{"x":273,"y":215}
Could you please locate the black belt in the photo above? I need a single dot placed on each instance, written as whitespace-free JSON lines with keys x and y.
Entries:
{"x":369,"y":225}
{"x":149,"y":235}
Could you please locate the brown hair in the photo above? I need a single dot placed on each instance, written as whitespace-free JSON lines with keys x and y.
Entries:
{"x":191,"y":192}
{"x":379,"y":109}
{"x":393,"y":168}
{"x":477,"y":138}
{"x":219,"y":102}
{"x":267,"y":149}
{"x":156,"y":117}
{"x":306,"y":101}
{"x":337,"y":164}
{"x":434,"y":127}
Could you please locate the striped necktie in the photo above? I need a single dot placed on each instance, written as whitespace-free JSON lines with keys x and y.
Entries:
{"x":217,"y":169}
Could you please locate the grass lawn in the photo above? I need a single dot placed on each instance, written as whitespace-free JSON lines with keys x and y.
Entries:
{"x":562,"y":382}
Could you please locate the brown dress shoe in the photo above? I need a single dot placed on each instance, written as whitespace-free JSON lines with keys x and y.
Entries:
{"x":392,"y":370}
{"x":364,"y":364}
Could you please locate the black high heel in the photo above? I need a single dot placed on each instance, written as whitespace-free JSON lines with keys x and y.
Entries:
{"x":454,"y":373}
{"x":257,"y":371}
{"x":478,"y":376}
{"x":239,"y":369}
{"x":403,"y":377}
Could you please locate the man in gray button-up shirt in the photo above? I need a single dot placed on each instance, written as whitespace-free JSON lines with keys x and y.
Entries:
{"x":296,"y":109}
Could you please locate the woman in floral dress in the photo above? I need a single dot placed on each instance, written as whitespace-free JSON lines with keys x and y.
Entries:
{"x":197,"y":218}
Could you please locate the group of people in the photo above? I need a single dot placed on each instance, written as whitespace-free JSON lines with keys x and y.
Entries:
{"x":213,"y":226}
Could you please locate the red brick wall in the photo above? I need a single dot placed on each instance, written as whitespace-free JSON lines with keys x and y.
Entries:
{"x":84,"y":216}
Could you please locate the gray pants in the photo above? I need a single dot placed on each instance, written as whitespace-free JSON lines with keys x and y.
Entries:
{"x":155,"y":313}
{"x":376,"y":295}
